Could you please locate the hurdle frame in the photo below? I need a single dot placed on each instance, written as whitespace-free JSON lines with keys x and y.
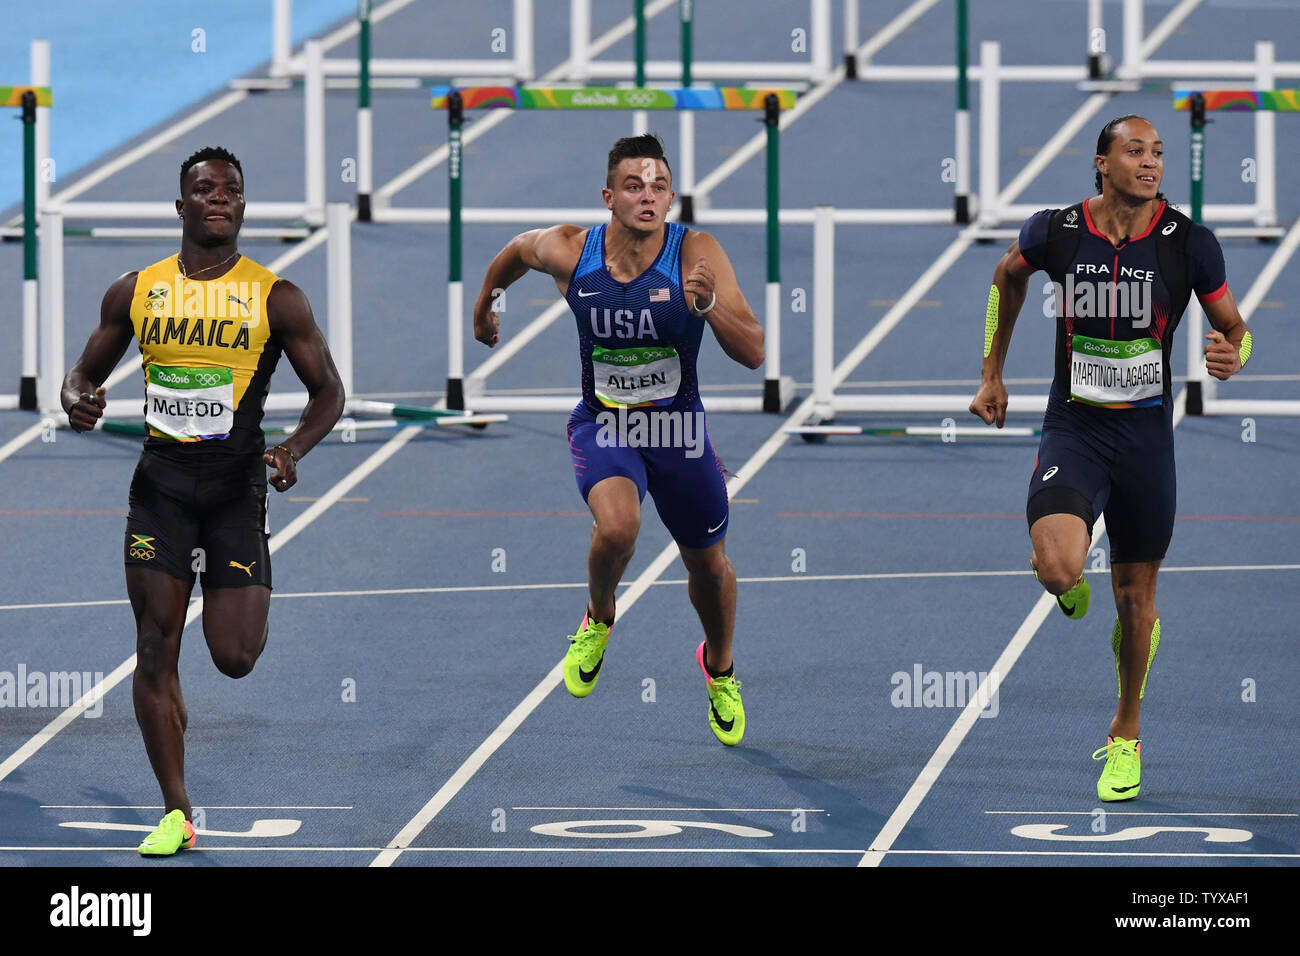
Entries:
{"x":1202,"y":387}
{"x":285,"y":63}
{"x":307,"y":214}
{"x":30,"y":100}
{"x":778,"y":390}
{"x":120,"y":414}
{"x":583,"y":68}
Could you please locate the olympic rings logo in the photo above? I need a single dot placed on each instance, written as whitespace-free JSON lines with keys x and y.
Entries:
{"x":639,"y":97}
{"x":1134,"y":348}
{"x":142,"y":554}
{"x":207,"y":378}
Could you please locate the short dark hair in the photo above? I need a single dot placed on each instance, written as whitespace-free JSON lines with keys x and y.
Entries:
{"x":206,"y":153}
{"x":645,"y":146}
{"x":1108,"y":136}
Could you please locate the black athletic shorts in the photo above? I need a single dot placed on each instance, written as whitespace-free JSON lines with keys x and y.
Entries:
{"x":1117,"y":462}
{"x":200,"y":517}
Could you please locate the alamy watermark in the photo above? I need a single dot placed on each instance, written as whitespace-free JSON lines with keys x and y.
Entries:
{"x":59,"y":689}
{"x":922,"y":688}
{"x":648,"y":428}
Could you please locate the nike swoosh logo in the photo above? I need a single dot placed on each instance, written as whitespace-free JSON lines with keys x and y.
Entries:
{"x":711,"y":530}
{"x":1125,"y":789}
{"x":726,"y":725}
{"x":583,"y":295}
{"x":586,"y":676}
{"x":1067,"y":608}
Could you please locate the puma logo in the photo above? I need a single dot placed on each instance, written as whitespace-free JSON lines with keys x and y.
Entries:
{"x":246,"y":568}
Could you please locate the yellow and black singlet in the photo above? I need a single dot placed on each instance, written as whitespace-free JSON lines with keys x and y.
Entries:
{"x":208,"y":355}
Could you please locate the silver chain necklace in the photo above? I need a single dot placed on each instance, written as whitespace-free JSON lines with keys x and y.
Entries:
{"x":188,"y":275}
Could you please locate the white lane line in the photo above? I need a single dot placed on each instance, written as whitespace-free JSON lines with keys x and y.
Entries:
{"x":99,"y":806}
{"x":1268,"y":275}
{"x":684,"y":809}
{"x":96,"y":693}
{"x":1133,"y":813}
{"x":676,"y":582}
{"x":21,"y":439}
{"x":730,"y":851}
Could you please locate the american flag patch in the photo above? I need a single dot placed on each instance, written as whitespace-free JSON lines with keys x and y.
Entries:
{"x":659,"y":295}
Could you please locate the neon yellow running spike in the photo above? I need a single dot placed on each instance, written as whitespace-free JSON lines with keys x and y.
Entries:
{"x":726,"y":712}
{"x":1074,"y":602}
{"x":991,"y":320}
{"x":585,"y":656}
{"x":173,"y":833}
{"x":1121,"y":778}
{"x":1115,"y":639}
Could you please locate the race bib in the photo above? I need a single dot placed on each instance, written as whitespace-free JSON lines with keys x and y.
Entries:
{"x":639,"y":376}
{"x":190,"y":404}
{"x":1117,"y":374}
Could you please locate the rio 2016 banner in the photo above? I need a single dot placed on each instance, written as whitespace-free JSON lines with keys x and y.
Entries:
{"x":1277,"y":101}
{"x":611,"y":98}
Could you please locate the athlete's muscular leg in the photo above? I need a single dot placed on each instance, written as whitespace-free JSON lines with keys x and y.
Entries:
{"x":1134,"y":585}
{"x":712,"y":586}
{"x":234,"y":624}
{"x":616,"y":505}
{"x":1060,"y":547}
{"x":159,"y":602}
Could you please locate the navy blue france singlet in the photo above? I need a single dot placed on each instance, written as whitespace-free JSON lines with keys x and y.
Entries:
{"x":638,"y":340}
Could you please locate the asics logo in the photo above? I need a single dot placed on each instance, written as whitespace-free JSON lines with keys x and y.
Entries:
{"x":207,"y":378}
{"x":1168,"y":229}
{"x":583,"y":295}
{"x":1050,"y":472}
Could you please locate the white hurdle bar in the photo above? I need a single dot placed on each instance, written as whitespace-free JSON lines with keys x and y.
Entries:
{"x":1262,"y":213}
{"x":583,"y":68}
{"x":285,"y":63}
{"x":1194,"y":320}
{"x":826,"y":403}
{"x":52,"y":320}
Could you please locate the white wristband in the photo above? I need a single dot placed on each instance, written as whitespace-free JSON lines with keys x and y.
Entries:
{"x":712,"y":303}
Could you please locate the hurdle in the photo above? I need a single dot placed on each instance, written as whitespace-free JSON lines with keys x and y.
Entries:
{"x":309,"y":211}
{"x":777,"y":390}
{"x":29,"y":99}
{"x":120,"y":415}
{"x":285,"y":63}
{"x":1202,"y":388}
{"x":583,"y":68}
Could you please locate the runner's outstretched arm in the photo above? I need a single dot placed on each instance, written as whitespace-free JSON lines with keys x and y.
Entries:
{"x":295,"y":328}
{"x":1010,"y":285}
{"x":81,"y":396}
{"x":541,"y":249}
{"x":708,"y":272}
